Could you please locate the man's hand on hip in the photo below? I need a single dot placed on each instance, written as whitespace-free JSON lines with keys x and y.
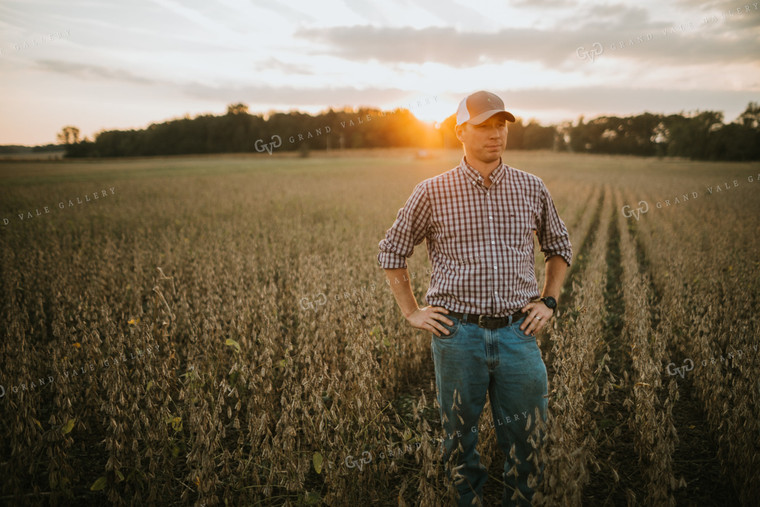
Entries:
{"x":538,"y":315}
{"x":428,"y":319}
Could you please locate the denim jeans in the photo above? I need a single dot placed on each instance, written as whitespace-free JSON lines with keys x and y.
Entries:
{"x":506,"y":363}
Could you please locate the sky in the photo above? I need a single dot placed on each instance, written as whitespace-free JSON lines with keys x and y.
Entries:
{"x":111,"y":64}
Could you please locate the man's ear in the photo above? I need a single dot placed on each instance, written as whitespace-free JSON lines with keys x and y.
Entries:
{"x":458,"y":131}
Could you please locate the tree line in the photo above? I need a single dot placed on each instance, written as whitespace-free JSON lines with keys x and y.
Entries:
{"x":697,"y":136}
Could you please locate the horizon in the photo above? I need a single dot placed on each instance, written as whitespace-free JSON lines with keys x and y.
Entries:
{"x":107,"y":67}
{"x":435,"y":124}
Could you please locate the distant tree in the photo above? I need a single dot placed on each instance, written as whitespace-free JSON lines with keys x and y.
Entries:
{"x":586,"y":137}
{"x":690,"y":135}
{"x":68,"y":135}
{"x":638,"y":133}
{"x":515,"y":135}
{"x":537,"y":137}
{"x":448,"y":133}
{"x":81,"y":149}
{"x":751,"y":116}
{"x":564,"y":138}
{"x":239,"y":108}
{"x":701,"y":135}
{"x":46,"y":148}
{"x":739,"y":140}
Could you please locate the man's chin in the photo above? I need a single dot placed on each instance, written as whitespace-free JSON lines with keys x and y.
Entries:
{"x":490,"y":156}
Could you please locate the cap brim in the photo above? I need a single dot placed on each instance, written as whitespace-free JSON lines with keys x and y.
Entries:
{"x":477,"y":120}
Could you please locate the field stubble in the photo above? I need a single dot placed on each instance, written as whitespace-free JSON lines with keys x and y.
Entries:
{"x":248,"y":398}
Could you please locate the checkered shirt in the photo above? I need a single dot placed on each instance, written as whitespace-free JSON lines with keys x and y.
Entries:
{"x":479,"y":240}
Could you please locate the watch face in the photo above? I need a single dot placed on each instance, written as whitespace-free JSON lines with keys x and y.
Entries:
{"x":550,"y":302}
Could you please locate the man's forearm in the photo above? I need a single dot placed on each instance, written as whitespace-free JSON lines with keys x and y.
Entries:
{"x":556,"y":268}
{"x":402,"y":290}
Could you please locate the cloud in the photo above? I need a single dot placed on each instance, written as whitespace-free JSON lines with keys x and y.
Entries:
{"x":693,"y":41}
{"x":712,"y":5}
{"x":87,"y":71}
{"x":610,"y":17}
{"x":438,"y":44}
{"x":725,"y":40}
{"x":295,"y":96}
{"x":288,"y":68}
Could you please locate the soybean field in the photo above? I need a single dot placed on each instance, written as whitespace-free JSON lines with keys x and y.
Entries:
{"x":217,"y":331}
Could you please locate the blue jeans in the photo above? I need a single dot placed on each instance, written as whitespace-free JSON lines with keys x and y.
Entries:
{"x":507,"y":364}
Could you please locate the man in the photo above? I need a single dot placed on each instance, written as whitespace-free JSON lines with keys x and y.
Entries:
{"x":478,"y":221}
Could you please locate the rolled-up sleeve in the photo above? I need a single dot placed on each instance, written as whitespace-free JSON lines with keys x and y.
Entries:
{"x":552,"y":233}
{"x":408,"y":231}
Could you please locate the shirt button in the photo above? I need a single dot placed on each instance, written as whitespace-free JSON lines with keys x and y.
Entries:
{"x":495,"y":267}
{"x":490,"y":218}
{"x":493,"y":242}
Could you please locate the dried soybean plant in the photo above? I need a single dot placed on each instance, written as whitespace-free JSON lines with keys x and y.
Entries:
{"x":570,"y":445}
{"x":710,"y":321}
{"x":651,"y":420}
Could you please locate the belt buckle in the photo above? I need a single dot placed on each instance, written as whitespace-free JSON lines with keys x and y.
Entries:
{"x":482,"y":319}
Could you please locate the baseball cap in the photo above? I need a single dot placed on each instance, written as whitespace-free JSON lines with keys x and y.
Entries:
{"x":479,"y":106}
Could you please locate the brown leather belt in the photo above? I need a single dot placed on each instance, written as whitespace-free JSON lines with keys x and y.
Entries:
{"x":487,"y":321}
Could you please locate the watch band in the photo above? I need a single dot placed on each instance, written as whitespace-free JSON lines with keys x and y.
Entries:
{"x":552,"y":304}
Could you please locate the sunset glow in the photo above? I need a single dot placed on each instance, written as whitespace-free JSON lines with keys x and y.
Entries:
{"x":117,"y":66}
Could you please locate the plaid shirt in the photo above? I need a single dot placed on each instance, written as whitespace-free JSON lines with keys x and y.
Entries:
{"x":479,"y":240}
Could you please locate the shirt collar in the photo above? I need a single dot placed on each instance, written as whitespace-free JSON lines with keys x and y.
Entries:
{"x":472,"y":173}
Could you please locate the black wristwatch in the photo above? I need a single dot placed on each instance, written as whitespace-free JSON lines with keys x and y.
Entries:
{"x":550,"y":302}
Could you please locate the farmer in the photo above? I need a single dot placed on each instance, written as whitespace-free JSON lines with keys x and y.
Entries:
{"x":484,"y":307}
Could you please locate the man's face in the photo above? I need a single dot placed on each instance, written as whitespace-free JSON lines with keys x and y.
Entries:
{"x":486,"y":141}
